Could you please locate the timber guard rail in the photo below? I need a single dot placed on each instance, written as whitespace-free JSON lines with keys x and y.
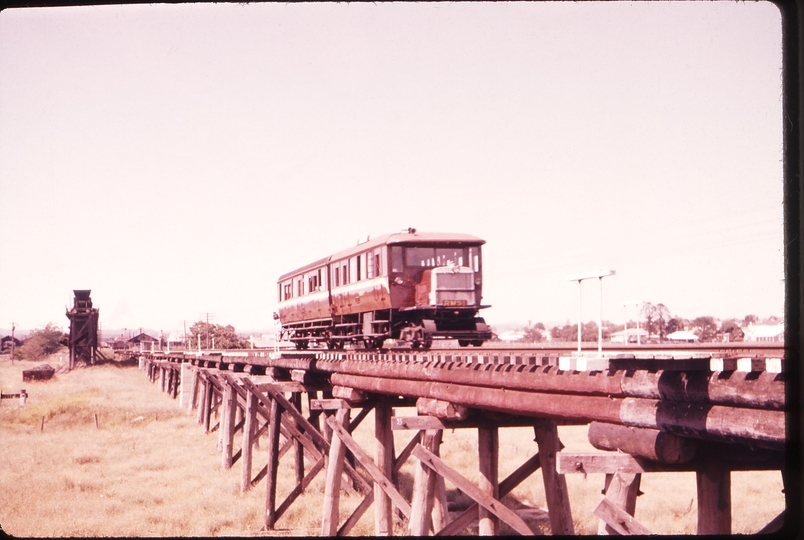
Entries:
{"x":706,"y":415}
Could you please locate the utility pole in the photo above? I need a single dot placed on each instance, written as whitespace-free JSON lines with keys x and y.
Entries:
{"x":207,"y":315}
{"x":13,"y":327}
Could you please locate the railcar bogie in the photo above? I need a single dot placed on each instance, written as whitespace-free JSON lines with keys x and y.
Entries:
{"x":414,"y":287}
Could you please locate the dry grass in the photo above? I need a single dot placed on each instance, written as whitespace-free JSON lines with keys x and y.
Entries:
{"x":151,"y":471}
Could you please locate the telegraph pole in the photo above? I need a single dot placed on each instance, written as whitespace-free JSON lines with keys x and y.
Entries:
{"x":207,"y":315}
{"x":13,"y":327}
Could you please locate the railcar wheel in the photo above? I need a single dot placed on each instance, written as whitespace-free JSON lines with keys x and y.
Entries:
{"x":369,"y":344}
{"x":464,"y":342}
{"x":477,"y":343}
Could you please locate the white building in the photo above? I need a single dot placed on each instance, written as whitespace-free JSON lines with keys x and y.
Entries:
{"x":682,"y":336}
{"x":763,"y":332}
{"x":629,"y":335}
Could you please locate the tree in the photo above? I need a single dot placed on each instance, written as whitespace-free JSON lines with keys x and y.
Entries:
{"x":706,"y":328}
{"x":534,"y":334}
{"x":675,"y":324}
{"x":223,"y":337}
{"x":734,"y":331}
{"x":662,"y":315}
{"x":43,"y":342}
{"x":649,"y":312}
{"x":750,"y":319}
{"x":569,"y":332}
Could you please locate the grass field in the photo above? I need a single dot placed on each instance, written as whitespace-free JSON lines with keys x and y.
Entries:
{"x":149,"y":470}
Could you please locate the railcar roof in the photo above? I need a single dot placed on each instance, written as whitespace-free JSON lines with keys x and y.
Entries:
{"x":391,"y":239}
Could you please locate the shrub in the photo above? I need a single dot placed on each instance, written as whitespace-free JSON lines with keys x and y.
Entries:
{"x":42,"y":343}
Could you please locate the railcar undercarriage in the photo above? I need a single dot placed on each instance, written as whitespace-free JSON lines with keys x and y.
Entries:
{"x":416,"y":328}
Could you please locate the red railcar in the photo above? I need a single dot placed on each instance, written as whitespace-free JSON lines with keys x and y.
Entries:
{"x":409,"y":286}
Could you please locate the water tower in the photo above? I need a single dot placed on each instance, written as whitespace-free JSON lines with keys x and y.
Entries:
{"x":83,"y":329}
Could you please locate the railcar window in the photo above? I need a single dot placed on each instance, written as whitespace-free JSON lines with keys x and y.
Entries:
{"x":357,"y":262}
{"x":300,"y":286}
{"x":397,"y":264}
{"x":346,"y":273}
{"x":336,"y":274}
{"x":377,"y":268}
{"x":369,"y":266}
{"x":431,"y":256}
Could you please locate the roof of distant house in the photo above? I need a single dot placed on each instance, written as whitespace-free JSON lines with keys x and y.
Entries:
{"x":682,"y":335}
{"x":763,"y":330}
{"x":142,"y":338}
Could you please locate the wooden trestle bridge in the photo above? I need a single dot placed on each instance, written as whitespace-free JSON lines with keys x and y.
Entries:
{"x":647,"y":413}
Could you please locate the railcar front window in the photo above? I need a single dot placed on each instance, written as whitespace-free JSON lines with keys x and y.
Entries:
{"x":432,"y":256}
{"x":397,"y":264}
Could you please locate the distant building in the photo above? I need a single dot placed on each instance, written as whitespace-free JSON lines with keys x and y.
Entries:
{"x":268,"y":341}
{"x":629,"y":335}
{"x":143,"y":340}
{"x":511,"y":335}
{"x":682,"y":336}
{"x":763,"y":332}
{"x":5,"y":342}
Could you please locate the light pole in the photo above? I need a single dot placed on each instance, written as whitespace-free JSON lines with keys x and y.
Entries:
{"x":581,"y":277}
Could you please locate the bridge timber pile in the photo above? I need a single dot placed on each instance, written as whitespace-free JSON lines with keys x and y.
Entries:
{"x":708,"y":412}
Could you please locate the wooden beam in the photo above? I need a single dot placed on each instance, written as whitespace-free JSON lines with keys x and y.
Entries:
{"x":207,"y":406}
{"x":424,"y":487}
{"x":494,"y":506}
{"x":332,"y":404}
{"x":407,"y":451}
{"x":316,"y":437}
{"x":555,"y":485}
{"x":228,"y":421}
{"x":758,"y":427}
{"x":349,"y":394}
{"x":384,"y":460}
{"x":618,"y":519}
{"x":714,"y":498}
{"x":202,"y":383}
{"x":465,"y":518}
{"x":273,"y":465}
{"x":248,"y":442}
{"x":332,"y":490}
{"x":298,"y":452}
{"x":609,"y":463}
{"x":621,"y":491}
{"x":538,"y":404}
{"x":430,"y":422}
{"x":488,"y":482}
{"x":443,"y":410}
{"x":380,"y":479}
{"x":651,"y":444}
{"x":300,"y":487}
{"x":352,"y":520}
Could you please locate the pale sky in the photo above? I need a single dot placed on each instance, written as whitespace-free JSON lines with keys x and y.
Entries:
{"x":176,"y":159}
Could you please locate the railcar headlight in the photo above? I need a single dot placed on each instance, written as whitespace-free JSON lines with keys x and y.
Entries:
{"x":478,"y":281}
{"x":399,"y":281}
